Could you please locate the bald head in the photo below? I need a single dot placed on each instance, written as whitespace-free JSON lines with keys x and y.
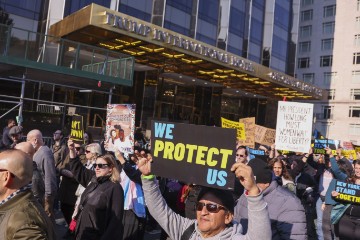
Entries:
{"x":35,"y":138}
{"x":26,"y":147}
{"x":19,"y":164}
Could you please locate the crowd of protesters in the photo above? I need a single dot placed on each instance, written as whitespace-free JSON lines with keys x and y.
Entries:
{"x":107,"y":195}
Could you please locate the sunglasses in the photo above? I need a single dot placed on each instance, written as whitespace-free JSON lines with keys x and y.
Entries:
{"x":87,"y":151}
{"x":77,"y":148}
{"x":210,"y":207}
{"x":100,"y":165}
{"x":239,"y":155}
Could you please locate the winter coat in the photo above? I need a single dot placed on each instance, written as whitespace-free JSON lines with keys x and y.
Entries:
{"x":286,"y":213}
{"x":175,"y":225}
{"x":22,"y":217}
{"x":102,"y":205}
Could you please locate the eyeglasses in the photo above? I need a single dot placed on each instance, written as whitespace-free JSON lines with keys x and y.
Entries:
{"x":100,"y":165}
{"x":77,"y":148}
{"x":210,"y":207}
{"x":239,"y":155}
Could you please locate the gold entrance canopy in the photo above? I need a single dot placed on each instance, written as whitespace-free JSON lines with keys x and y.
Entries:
{"x":172,"y":52}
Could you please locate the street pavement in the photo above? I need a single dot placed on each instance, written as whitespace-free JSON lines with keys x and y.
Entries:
{"x":61,"y":229}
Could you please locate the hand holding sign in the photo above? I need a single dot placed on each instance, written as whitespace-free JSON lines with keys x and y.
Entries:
{"x":144,"y":164}
{"x":246,"y":176}
{"x":71,"y":147}
{"x":329,"y":151}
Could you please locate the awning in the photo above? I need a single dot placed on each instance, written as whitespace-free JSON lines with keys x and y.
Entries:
{"x":175,"y":53}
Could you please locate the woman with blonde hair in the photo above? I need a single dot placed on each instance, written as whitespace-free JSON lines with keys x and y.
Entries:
{"x":92,"y":151}
{"x":101,"y":206}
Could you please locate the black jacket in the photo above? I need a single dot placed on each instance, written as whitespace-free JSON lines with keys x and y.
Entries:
{"x":102,"y":205}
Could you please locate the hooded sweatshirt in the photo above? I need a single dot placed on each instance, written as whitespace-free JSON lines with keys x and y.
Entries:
{"x":175,"y":225}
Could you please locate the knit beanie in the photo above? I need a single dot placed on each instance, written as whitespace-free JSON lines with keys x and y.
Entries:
{"x":261,"y":170}
{"x":222,"y":197}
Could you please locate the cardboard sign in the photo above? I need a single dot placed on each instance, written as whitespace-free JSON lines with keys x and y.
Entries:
{"x":294,"y":126}
{"x":77,"y":129}
{"x":349,"y":192}
{"x":120,"y":128}
{"x":321,"y":144}
{"x":264,"y":136}
{"x":249,"y":124}
{"x":194,"y":154}
{"x":225,"y":123}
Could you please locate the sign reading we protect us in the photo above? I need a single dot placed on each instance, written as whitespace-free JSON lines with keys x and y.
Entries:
{"x":194,"y":154}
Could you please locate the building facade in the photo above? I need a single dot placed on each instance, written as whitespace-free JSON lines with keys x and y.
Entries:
{"x":193,"y":61}
{"x":328,"y":56}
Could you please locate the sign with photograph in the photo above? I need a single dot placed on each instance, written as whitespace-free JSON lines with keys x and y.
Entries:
{"x":120,"y":128}
{"x":194,"y":154}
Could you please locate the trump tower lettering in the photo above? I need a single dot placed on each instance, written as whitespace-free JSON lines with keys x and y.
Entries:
{"x":194,"y":154}
{"x":348,"y":192}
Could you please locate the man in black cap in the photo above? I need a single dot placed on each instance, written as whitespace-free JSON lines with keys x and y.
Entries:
{"x":214,"y":209}
{"x":286,"y":213}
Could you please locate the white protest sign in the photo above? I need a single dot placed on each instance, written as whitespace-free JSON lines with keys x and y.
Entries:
{"x":294,"y":126}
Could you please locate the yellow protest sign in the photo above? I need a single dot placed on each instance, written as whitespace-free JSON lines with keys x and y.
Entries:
{"x":226,"y":123}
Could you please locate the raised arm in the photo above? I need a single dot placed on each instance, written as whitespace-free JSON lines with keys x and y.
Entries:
{"x":81,"y":174}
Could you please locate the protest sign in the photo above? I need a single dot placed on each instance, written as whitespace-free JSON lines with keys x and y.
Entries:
{"x":348,"y":192}
{"x":321,"y":144}
{"x":194,"y":154}
{"x":120,"y":127}
{"x":225,"y":123}
{"x":256,"y":153}
{"x":77,"y":129}
{"x":249,"y":124}
{"x":356,"y":148}
{"x":264,"y":136}
{"x":348,"y":150}
{"x":294,"y":126}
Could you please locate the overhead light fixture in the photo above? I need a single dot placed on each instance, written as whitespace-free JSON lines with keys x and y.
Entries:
{"x":85,"y":90}
{"x":193,"y":80}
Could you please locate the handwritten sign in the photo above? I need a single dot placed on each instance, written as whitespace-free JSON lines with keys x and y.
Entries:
{"x":321,"y":144}
{"x":194,"y":154}
{"x":348,"y":192}
{"x":294,"y":126}
{"x":249,"y":124}
{"x":225,"y":123}
{"x":264,"y":136}
{"x":77,"y":129}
